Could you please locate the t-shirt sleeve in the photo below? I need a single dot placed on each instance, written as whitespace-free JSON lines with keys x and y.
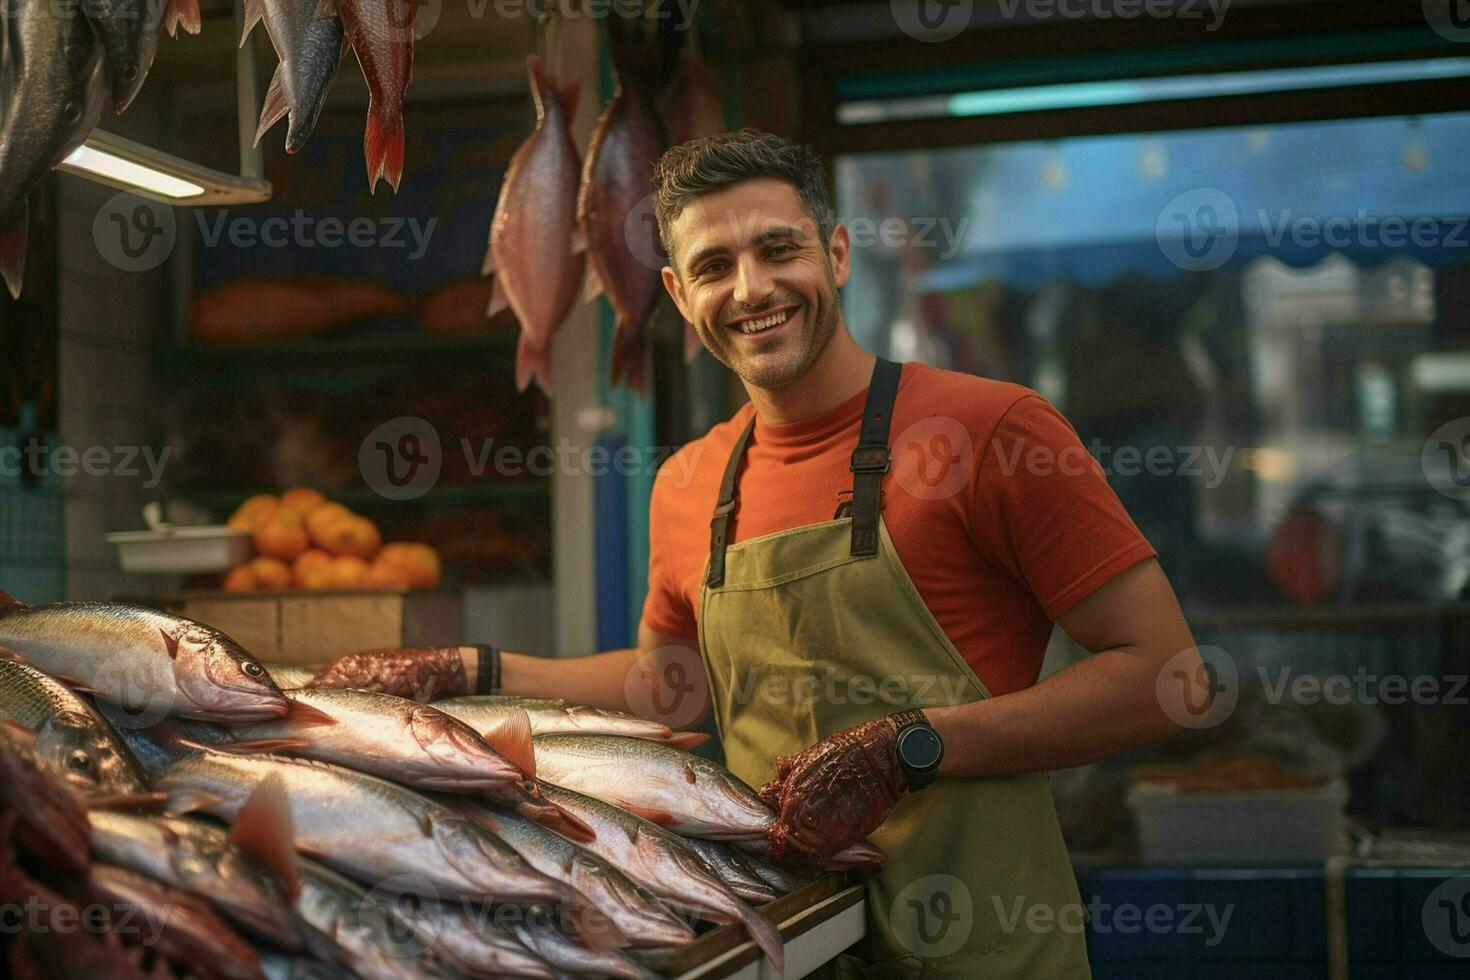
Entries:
{"x":1042,"y":508}
{"x":666,"y":609}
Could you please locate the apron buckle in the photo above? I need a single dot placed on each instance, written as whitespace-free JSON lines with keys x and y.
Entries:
{"x":870,"y":459}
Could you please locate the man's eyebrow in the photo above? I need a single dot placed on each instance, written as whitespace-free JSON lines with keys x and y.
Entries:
{"x":763,"y":238}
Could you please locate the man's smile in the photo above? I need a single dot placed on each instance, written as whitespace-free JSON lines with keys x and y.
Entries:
{"x":765,"y":323}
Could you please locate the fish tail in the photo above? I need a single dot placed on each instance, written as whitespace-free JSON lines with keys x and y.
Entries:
{"x":274,"y":106}
{"x":182,"y":13}
{"x":532,"y":363}
{"x":628,"y":357}
{"x":13,"y":252}
{"x":384,"y":147}
{"x":254,"y":13}
{"x":765,"y":934}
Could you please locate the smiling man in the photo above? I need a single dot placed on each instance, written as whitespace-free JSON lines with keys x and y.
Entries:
{"x":867,"y":560}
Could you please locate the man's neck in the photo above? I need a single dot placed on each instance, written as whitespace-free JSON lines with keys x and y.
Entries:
{"x":843,"y":370}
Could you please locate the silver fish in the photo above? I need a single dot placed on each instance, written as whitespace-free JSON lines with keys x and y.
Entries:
{"x":733,"y":869}
{"x":72,"y":743}
{"x":637,"y":912}
{"x":552,"y":716}
{"x":310,"y":49}
{"x":279,"y":966}
{"x":398,"y":739}
{"x":150,"y":662}
{"x":783,"y":881}
{"x":352,"y":927}
{"x":675,"y":789}
{"x":667,"y":866}
{"x":52,"y":90}
{"x":365,"y":826}
{"x":543,"y":938}
{"x":462,"y":935}
{"x":202,"y":860}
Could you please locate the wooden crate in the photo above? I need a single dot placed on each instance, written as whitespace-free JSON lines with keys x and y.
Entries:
{"x":310,"y":628}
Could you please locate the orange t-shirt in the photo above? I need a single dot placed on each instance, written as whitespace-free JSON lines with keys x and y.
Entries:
{"x":1000,"y":517}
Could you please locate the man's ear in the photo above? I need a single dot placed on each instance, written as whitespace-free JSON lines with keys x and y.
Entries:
{"x":839,"y":252}
{"x":676,"y":292}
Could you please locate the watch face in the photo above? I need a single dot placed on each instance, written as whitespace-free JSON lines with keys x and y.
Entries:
{"x":920,"y":748}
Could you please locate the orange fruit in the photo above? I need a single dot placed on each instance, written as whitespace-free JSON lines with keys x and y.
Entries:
{"x":250,"y":513}
{"x":271,"y":574}
{"x":240,"y":579}
{"x":387,"y":575}
{"x":348,"y":572}
{"x":303,"y":499}
{"x":312,"y":570}
{"x":281,"y":535}
{"x":322,"y":517}
{"x":419,"y":562}
{"x":355,"y":536}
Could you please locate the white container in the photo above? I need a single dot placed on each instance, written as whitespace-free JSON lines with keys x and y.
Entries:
{"x":182,"y":550}
{"x":1277,"y":826}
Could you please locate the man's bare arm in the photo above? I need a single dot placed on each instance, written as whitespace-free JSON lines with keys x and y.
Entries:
{"x":1093,"y":709}
{"x":659,"y":679}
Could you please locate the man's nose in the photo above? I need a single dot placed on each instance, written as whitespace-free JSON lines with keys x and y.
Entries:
{"x":752,"y":283}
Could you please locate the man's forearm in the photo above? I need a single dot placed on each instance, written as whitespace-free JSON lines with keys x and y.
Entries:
{"x":1100,"y":706}
{"x":598,"y":680}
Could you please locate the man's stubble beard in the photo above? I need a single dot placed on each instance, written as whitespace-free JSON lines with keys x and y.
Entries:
{"x":791,"y":368}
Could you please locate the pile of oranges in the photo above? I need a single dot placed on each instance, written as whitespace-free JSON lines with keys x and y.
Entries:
{"x":305,"y":541}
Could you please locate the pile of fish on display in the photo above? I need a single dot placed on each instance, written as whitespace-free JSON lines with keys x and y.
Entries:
{"x":149,"y":762}
{"x":61,"y":65}
{"x":558,"y":221}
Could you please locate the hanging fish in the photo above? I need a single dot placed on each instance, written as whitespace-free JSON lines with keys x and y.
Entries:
{"x":128,"y":31}
{"x":52,"y":90}
{"x":537,"y":251}
{"x":310,"y":50}
{"x":616,"y":211}
{"x":380,"y":33}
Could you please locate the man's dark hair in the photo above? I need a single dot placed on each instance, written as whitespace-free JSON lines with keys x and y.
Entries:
{"x":715,"y":162}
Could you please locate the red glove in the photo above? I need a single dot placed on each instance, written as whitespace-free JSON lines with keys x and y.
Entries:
{"x":834,"y":794}
{"x":419,"y":673}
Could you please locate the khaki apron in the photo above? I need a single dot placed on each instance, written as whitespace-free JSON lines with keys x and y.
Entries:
{"x":816,"y":629}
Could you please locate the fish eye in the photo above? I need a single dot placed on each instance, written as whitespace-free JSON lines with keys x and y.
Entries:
{"x":252,"y":668}
{"x":79,"y":761}
{"x":530,"y":786}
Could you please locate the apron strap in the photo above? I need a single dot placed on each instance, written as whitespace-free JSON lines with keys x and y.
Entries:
{"x":719,"y":527}
{"x":871,"y":457}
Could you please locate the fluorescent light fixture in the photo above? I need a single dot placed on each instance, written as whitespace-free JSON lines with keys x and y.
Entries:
{"x":1084,"y":95}
{"x":121,"y":163}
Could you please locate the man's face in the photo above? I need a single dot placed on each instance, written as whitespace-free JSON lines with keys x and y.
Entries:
{"x":750,"y":272}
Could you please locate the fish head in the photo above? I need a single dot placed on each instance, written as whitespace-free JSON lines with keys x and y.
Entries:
{"x":219,"y":681}
{"x":76,"y":749}
{"x":457,"y":747}
{"x":736,"y":803}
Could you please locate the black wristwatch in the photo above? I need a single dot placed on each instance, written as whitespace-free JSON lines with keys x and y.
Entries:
{"x":919,"y":748}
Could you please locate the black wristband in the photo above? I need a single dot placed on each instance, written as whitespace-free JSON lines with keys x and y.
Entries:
{"x":487,"y":678}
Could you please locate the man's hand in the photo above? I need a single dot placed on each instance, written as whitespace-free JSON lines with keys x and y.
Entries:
{"x":417,"y":673}
{"x":834,"y":794}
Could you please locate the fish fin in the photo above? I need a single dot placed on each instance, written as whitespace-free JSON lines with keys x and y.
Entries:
{"x":765,"y":934}
{"x":275,"y":106}
{"x":487,"y":268}
{"x":19,"y":732}
{"x":182,"y":801}
{"x":13,"y":257}
{"x":498,"y":300}
{"x":263,"y":828}
{"x":254,"y":13}
{"x":568,"y":93}
{"x":170,"y":643}
{"x":128,"y":801}
{"x":661,"y":817}
{"x":181,"y":13}
{"x":553,"y":817}
{"x":686,"y":740}
{"x":383,"y":147}
{"x":8,"y":600}
{"x":692,"y":344}
{"x":592,"y":288}
{"x":300,"y":713}
{"x":75,"y":683}
{"x":254,"y":746}
{"x":325,"y":9}
{"x":628,"y":356}
{"x":510,"y":735}
{"x":579,"y":240}
{"x":532,"y":363}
